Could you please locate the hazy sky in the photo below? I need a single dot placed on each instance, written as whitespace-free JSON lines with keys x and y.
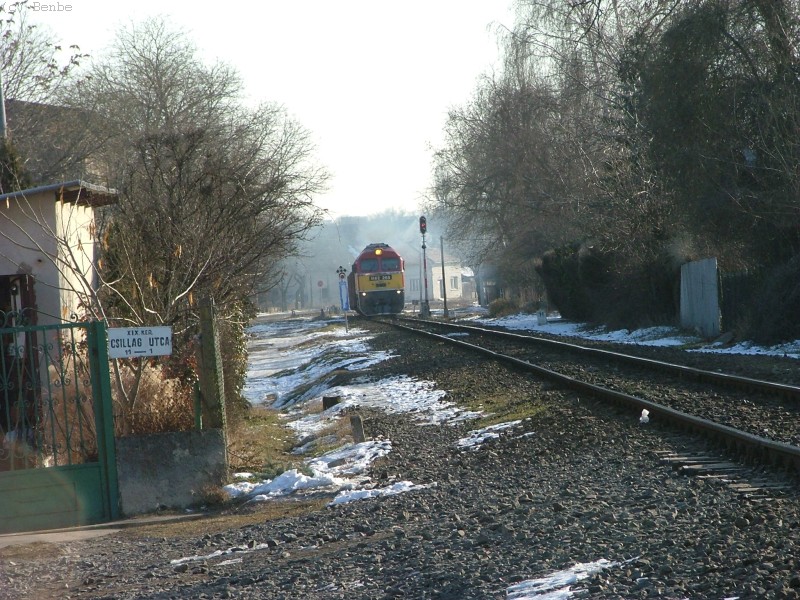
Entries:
{"x":371,"y":80}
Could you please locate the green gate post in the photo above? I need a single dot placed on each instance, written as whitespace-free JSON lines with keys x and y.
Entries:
{"x":211,"y":377}
{"x":104,"y":417}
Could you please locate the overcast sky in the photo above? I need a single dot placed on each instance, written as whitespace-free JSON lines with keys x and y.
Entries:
{"x":371,"y":80}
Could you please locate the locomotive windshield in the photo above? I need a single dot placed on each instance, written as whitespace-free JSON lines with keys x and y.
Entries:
{"x":368,"y":265}
{"x":391,"y":264}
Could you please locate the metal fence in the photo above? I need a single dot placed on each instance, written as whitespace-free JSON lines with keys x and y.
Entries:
{"x":47,"y":416}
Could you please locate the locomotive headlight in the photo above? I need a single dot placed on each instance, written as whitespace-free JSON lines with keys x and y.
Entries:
{"x":378,"y":252}
{"x":364,"y":294}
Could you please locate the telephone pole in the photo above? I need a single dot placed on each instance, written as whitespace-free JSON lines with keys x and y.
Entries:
{"x":444,"y":281}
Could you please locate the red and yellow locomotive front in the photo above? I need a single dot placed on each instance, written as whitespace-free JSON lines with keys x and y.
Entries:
{"x":377,"y":285}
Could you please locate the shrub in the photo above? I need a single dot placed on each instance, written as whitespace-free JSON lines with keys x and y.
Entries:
{"x":162,"y":403}
{"x":778,"y":304}
{"x":619,"y":290}
{"x":233,"y":349}
{"x":502,"y":307}
{"x":568,"y":273}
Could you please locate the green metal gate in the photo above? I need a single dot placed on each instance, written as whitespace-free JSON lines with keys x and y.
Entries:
{"x":57,"y":457}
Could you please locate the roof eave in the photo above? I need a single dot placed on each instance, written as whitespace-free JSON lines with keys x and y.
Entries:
{"x":76,"y":191}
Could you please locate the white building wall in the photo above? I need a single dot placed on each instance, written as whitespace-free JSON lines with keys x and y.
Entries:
{"x":28,"y":246}
{"x":76,"y":228}
{"x":450,"y":272}
{"x":30,"y":228}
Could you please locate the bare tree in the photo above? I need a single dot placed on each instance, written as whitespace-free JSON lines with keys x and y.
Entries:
{"x":34,"y":65}
{"x":726,"y":145}
{"x":212,"y":194}
{"x":505,"y":180}
{"x":211,"y":191}
{"x":542,"y":156}
{"x":52,"y":141}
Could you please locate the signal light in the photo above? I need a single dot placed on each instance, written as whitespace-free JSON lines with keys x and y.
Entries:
{"x":423,"y":225}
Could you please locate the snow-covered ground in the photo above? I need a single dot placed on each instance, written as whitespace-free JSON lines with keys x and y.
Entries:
{"x":291,"y":367}
{"x":651,"y":336}
{"x":291,"y":363}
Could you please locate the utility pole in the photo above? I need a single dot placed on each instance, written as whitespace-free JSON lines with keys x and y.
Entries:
{"x":444,"y":281}
{"x":3,"y":128}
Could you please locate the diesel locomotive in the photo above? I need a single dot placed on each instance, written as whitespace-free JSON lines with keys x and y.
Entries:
{"x":376,"y":282}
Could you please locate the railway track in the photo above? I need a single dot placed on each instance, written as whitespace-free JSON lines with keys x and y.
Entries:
{"x":756,"y":420}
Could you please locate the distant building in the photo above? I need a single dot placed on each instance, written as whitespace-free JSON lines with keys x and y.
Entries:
{"x":456,"y":283}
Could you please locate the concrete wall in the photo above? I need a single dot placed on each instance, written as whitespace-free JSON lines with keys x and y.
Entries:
{"x":700,"y":297}
{"x":173,"y":470}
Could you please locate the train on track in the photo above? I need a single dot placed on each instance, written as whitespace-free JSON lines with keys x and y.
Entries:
{"x":376,"y":282}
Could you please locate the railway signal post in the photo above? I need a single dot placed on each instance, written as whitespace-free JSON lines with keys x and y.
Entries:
{"x":425,"y":308}
{"x":344,"y":296}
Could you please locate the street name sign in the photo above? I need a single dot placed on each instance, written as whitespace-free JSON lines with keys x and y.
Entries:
{"x":130,"y":342}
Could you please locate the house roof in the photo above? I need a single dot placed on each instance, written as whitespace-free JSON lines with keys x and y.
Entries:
{"x":77,"y":191}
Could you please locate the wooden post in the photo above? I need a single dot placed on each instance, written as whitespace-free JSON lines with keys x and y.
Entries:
{"x":211,"y":380}
{"x":358,"y":429}
{"x":329,"y":401}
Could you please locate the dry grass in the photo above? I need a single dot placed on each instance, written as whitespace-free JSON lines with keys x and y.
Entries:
{"x":32,"y":551}
{"x":339,"y":430}
{"x":506,"y":406}
{"x":162,"y":404}
{"x":261,"y":442}
{"x":66,"y":433}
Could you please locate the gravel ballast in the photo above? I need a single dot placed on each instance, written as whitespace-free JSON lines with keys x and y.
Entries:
{"x":575,"y":483}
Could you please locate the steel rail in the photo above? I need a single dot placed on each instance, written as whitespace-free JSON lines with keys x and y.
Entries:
{"x":772,"y":387}
{"x":747,"y":444}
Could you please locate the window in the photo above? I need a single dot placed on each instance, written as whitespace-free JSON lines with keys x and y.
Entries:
{"x":413,"y":285}
{"x":368,"y":265}
{"x":390,"y":264}
{"x":454,"y":283}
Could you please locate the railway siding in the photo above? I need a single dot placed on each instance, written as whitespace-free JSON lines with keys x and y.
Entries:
{"x":578,"y":481}
{"x":765,"y":413}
